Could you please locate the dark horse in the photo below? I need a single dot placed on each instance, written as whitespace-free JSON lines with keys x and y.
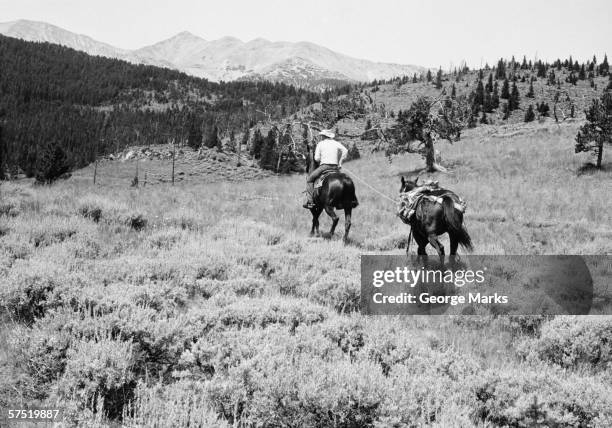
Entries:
{"x":336,"y":192}
{"x":432,"y":219}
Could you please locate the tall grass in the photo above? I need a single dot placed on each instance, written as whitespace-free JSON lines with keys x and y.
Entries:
{"x":119,"y":303}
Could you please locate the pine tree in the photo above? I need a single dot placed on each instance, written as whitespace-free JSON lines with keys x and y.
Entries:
{"x":245,"y":139}
{"x":231,"y":144}
{"x":353,"y":153}
{"x":2,"y":156}
{"x":429,"y":76}
{"x":500,"y":72}
{"x":505,"y":92}
{"x":453,"y":92}
{"x":505,"y":111}
{"x":489,"y":86}
{"x":530,"y":93}
{"x":604,"y":68}
{"x":194,"y":137}
{"x":488,"y":103}
{"x":598,"y":130}
{"x":479,"y":94}
{"x":52,"y":163}
{"x":541,"y":69}
{"x":439,"y":79}
{"x":257,"y":144}
{"x":582,"y":73}
{"x":513,"y":102}
{"x":529,"y":114}
{"x":219,"y":145}
{"x":269,"y":157}
{"x":212,"y":138}
{"x":495,"y":97}
{"x":543,"y":109}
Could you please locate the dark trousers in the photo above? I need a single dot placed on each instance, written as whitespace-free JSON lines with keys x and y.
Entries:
{"x":312,"y":177}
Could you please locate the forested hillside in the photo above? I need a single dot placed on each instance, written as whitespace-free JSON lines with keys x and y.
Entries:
{"x":52,"y":96}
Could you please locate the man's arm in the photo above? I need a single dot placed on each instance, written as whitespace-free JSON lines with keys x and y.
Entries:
{"x":317,"y":156}
{"x":343,"y":153}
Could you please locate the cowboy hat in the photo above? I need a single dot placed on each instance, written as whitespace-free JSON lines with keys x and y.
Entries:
{"x":327,"y":133}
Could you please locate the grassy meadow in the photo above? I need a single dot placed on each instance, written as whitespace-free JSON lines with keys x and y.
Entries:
{"x":207,"y":304}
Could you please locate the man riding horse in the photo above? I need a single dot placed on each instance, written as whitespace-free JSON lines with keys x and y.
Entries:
{"x":330,"y":154}
{"x":336,"y":191}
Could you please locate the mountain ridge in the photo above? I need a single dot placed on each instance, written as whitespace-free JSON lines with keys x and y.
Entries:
{"x":228,"y":58}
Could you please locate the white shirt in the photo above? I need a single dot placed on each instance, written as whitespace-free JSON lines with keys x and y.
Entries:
{"x":330,"y":152}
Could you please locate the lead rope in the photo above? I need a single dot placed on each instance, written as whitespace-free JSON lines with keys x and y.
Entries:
{"x":371,"y":187}
{"x":384,"y":196}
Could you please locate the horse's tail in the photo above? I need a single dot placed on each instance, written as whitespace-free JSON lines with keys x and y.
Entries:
{"x":348,"y":197}
{"x":454,"y":222}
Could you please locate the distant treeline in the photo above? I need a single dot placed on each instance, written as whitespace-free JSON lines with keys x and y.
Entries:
{"x":55,"y":96}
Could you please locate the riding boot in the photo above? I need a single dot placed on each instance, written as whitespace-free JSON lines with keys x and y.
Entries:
{"x":309,"y":204}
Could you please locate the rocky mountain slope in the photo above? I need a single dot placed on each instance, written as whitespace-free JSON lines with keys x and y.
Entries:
{"x":228,"y":58}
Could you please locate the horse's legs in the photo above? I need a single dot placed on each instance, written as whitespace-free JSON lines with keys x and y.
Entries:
{"x":433,"y":240}
{"x":454,"y":243}
{"x":330,"y":212}
{"x":347,"y":223}
{"x":316,"y":212}
{"x":421,"y":242}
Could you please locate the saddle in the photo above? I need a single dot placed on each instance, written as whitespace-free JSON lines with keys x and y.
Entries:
{"x":409,"y":201}
{"x":319,"y":181}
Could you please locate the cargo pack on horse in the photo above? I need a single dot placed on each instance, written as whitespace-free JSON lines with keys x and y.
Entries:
{"x":432,"y":211}
{"x":327,"y":188}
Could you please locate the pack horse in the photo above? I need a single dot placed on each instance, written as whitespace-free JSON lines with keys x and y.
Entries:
{"x":432,"y":211}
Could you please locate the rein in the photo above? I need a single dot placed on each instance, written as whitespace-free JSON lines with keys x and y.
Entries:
{"x":395,"y":201}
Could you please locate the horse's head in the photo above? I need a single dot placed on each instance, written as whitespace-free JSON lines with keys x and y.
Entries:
{"x":408,"y":185}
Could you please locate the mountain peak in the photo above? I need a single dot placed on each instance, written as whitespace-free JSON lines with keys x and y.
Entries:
{"x":186,"y":35}
{"x":230,"y":39}
{"x":227,"y":58}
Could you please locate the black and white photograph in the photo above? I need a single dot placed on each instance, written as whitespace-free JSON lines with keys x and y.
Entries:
{"x":317,"y":214}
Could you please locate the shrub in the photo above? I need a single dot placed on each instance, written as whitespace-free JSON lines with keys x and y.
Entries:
{"x":164,"y":239}
{"x":522,"y":324}
{"x":30,"y":289}
{"x":572,"y":341}
{"x":40,"y":354}
{"x":215,"y":266}
{"x":136,"y":221}
{"x":346,"y":333}
{"x":8,"y":207}
{"x":338,"y":289}
{"x":52,"y":230}
{"x":218,"y":352}
{"x":91,"y":211}
{"x":266,"y":311}
{"x":181,"y":405}
{"x":313,"y":393}
{"x":99,"y":370}
{"x":541,"y":397}
{"x":418,"y":395}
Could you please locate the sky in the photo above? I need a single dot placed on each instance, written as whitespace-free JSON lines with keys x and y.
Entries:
{"x":428,"y":33}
